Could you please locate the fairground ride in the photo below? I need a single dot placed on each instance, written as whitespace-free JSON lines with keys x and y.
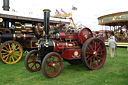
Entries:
{"x":118,"y":23}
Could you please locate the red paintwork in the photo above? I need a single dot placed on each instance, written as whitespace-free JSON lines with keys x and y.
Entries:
{"x":59,"y":46}
{"x":70,"y":53}
{"x":72,"y":36}
{"x":62,"y":35}
{"x":81,"y":34}
{"x":102,"y":38}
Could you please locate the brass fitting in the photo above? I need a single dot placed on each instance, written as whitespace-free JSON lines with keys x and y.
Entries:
{"x":85,"y":36}
{"x":46,"y":10}
{"x":46,"y":43}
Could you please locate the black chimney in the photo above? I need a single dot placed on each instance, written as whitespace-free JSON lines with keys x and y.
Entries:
{"x":46,"y":22}
{"x":6,"y":5}
{"x":6,"y":8}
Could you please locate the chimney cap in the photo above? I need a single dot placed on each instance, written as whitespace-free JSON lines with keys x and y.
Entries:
{"x":46,"y":10}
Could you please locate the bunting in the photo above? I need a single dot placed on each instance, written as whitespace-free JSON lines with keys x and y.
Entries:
{"x":74,"y":8}
{"x":57,"y":12}
{"x":63,"y":11}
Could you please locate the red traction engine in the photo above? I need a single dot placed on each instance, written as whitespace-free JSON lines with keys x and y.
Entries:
{"x":74,"y":47}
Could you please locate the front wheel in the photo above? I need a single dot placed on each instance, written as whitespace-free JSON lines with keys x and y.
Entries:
{"x":32,"y":62}
{"x":51,"y":65}
{"x":93,"y":53}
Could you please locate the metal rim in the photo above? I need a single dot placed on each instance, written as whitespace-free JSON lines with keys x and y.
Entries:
{"x":94,"y":53}
{"x":11,"y":52}
{"x":51,"y":65}
{"x":32,"y":63}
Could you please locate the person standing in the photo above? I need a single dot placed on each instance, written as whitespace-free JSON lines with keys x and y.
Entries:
{"x":112,"y":46}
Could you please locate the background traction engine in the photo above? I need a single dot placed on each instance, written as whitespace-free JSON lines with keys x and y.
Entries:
{"x":73,"y":47}
{"x":14,"y":41}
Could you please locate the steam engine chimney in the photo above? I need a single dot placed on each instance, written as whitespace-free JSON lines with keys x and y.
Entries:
{"x":46,"y":22}
{"x":6,"y":8}
{"x":6,"y":5}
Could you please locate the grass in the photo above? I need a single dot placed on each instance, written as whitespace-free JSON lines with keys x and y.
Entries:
{"x":114,"y":72}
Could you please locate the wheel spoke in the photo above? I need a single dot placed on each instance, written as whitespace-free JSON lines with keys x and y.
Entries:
{"x":4,"y":53}
{"x":12,"y":58}
{"x":31,"y":58}
{"x":91,"y":47}
{"x":89,"y":53}
{"x":53,"y":58}
{"x":15,"y":57}
{"x":95,"y":45}
{"x":54,"y":69}
{"x":50,"y":60}
{"x":6,"y":56}
{"x":14,"y":47}
{"x":6,"y":47}
{"x":89,"y":58}
{"x":101,"y":50}
{"x":90,"y":62}
{"x":30,"y":62}
{"x":47,"y":63}
{"x":57,"y":61}
{"x":9,"y":46}
{"x":17,"y":54}
{"x":57,"y":66}
{"x":99,"y":54}
{"x":4,"y":50}
{"x":34,"y":55}
{"x":33,"y":65}
{"x":99,"y":58}
{"x":48,"y":69}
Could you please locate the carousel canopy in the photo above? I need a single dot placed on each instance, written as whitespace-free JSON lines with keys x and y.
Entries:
{"x":115,"y":19}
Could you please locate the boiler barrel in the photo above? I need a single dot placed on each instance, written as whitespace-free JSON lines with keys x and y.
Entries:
{"x":16,"y":37}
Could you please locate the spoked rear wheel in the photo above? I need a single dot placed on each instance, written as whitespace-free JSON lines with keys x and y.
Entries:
{"x":32,"y":63}
{"x":11,"y":52}
{"x":94,"y":53}
{"x":51,"y":65}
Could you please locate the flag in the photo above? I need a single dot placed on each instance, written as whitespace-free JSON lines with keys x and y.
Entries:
{"x":74,"y":8}
{"x":57,"y":12}
{"x":63,"y":11}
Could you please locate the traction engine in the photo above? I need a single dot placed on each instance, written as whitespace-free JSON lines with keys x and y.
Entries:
{"x":75,"y":47}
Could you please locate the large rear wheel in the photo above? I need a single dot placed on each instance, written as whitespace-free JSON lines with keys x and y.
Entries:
{"x":11,"y":52}
{"x":93,"y":53}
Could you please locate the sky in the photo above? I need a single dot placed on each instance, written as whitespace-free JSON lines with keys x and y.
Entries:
{"x":87,"y":10}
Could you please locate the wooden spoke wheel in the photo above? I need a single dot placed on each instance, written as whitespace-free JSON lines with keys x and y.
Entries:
{"x":94,"y":53}
{"x":10,"y":52}
{"x":51,"y":65}
{"x":32,"y":62}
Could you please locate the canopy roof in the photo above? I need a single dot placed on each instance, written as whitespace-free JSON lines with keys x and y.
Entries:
{"x":18,"y":17}
{"x":115,"y":19}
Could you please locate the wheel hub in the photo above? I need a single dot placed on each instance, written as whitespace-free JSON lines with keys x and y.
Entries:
{"x":53,"y":64}
{"x":11,"y":52}
{"x":95,"y":53}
